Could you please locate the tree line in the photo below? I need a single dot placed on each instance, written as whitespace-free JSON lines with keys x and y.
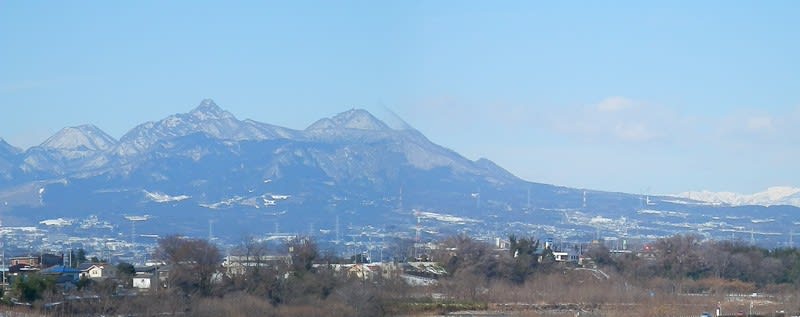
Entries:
{"x":477,"y":273}
{"x":690,"y":259}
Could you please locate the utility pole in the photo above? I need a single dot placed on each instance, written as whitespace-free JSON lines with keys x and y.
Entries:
{"x":382,"y":246}
{"x":338,"y":233}
{"x":210,"y":230}
{"x":400,"y":202}
{"x":133,"y":233}
{"x":3,"y":267}
{"x":479,"y":198}
{"x":528,"y":203}
{"x":584,"y":199}
{"x":417,"y":237}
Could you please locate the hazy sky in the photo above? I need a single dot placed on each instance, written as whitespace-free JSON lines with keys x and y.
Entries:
{"x":625,"y":96}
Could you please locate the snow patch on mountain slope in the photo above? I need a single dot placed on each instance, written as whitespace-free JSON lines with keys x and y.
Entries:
{"x":225,"y":203}
{"x":164,"y":198}
{"x":778,"y":195}
{"x":443,"y":217}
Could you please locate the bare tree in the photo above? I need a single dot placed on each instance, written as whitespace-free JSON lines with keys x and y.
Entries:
{"x":678,"y":256}
{"x":251,"y":271}
{"x":193,"y":261}
{"x":304,"y":252}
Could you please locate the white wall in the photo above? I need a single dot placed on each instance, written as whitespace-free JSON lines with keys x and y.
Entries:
{"x":141,"y":282}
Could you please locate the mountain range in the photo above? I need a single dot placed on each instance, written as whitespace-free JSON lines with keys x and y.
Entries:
{"x":247,"y":176}
{"x":778,"y":195}
{"x":87,"y":151}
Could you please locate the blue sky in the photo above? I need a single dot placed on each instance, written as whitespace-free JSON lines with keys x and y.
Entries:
{"x":620,"y":95}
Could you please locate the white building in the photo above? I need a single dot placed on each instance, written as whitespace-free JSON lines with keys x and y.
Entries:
{"x":565,"y":256}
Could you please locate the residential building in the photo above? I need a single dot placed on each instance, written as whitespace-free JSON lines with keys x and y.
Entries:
{"x":95,"y":270}
{"x":563,"y":256}
{"x":239,"y":264}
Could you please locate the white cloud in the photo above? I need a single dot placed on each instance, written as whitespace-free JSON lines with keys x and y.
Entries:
{"x":749,"y":126}
{"x":760,"y":123}
{"x":613,"y":104}
{"x":635,"y":132}
{"x":617,"y":119}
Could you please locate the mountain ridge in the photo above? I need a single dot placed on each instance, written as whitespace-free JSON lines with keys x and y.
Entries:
{"x":8,"y":149}
{"x":351,"y":166}
{"x":775,"y":195}
{"x":86,"y":151}
{"x":206,"y":117}
{"x":87,"y":146}
{"x":358,"y":119}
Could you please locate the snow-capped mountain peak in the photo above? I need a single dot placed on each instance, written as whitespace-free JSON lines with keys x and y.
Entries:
{"x":207,"y":118}
{"x":208,"y":110}
{"x":777,"y":195}
{"x":72,"y":149}
{"x":358,"y":119}
{"x":83,"y":137}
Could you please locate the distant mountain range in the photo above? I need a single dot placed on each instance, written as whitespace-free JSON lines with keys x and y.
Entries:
{"x":351,"y":170}
{"x":86,"y":150}
{"x":772,"y":196}
{"x":222,"y":162}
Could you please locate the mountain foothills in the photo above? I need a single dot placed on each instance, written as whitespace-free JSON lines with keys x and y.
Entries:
{"x":348,"y":174}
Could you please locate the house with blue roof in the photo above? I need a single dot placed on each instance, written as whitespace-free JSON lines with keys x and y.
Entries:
{"x":62,"y":274}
